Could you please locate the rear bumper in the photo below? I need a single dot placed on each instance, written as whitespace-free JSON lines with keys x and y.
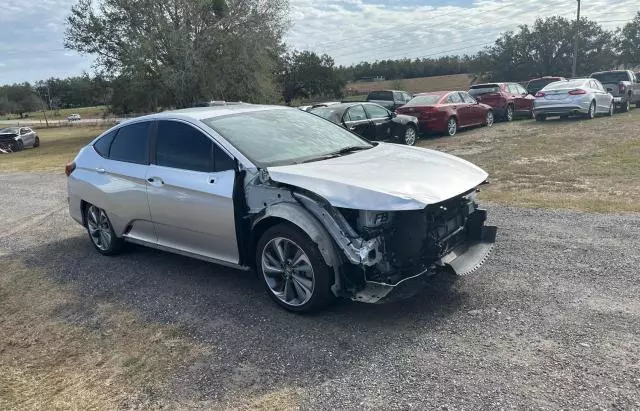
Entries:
{"x":560,"y":110}
{"x":463,"y":260}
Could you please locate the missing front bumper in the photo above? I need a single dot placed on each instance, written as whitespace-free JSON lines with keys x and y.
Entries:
{"x":463,"y":260}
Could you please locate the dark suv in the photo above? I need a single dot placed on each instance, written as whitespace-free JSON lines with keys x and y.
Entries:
{"x":389,"y":99}
{"x":507,"y":99}
{"x":537,"y":84}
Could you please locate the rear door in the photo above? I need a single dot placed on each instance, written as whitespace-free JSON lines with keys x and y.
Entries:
{"x":120,"y":177}
{"x":603,"y":99}
{"x":463,"y":109}
{"x":355,"y":119}
{"x":190,"y":188}
{"x":478,"y":112}
{"x":27,"y":136}
{"x":380,"y":120}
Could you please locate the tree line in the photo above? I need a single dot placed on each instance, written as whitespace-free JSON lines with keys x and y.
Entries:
{"x":177,"y":53}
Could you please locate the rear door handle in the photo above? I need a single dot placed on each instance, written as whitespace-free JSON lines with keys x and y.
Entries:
{"x":100,"y":170}
{"x":155,"y":181}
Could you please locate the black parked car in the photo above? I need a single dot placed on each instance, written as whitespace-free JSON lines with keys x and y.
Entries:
{"x":389,"y":99}
{"x":372,"y":122}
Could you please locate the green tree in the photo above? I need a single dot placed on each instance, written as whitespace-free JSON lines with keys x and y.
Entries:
{"x":187,"y":50}
{"x":306,"y":74}
{"x":629,"y":45}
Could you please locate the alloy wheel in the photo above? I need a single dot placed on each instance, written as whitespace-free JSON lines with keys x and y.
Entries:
{"x":287,"y":271}
{"x":99,"y":228}
{"x":592,"y":110}
{"x":410,"y":136}
{"x":490,"y":119}
{"x":611,"y":108}
{"x":452,"y":126}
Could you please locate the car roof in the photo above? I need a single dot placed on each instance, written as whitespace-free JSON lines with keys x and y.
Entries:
{"x":441,"y":92}
{"x":488,"y":84}
{"x":201,"y":113}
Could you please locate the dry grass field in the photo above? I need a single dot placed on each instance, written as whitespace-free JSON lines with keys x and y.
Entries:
{"x":415,"y":85}
{"x":573,"y":164}
{"x":62,"y":114}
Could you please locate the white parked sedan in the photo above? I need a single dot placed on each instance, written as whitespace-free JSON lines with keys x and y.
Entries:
{"x":586,"y":97}
{"x":316,"y":210}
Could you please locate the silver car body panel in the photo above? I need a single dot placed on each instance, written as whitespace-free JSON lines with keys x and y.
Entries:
{"x":388,"y":177}
{"x":559,"y":101}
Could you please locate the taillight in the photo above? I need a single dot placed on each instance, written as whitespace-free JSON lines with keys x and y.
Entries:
{"x":539,"y":94}
{"x":577,"y":92}
{"x":68,"y":169}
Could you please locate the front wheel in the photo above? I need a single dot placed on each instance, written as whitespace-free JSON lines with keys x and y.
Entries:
{"x":410,"y":135}
{"x":17,"y":146}
{"x":489,"y":119}
{"x":452,"y":127}
{"x":293,"y":270}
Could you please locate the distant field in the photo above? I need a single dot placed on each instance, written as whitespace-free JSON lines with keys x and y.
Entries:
{"x":58,"y":146}
{"x":414,"y":85}
{"x":85,"y":112}
{"x":589,"y":165}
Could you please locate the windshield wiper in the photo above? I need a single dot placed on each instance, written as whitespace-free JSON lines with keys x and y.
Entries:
{"x":338,"y":153}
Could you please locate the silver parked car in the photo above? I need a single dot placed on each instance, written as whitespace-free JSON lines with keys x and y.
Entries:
{"x":316,"y":210}
{"x":564,"y":98}
{"x":17,"y":138}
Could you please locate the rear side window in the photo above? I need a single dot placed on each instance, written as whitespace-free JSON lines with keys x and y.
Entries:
{"x":484,"y":89}
{"x":356,"y":113}
{"x":380,"y":95}
{"x":103,"y":145}
{"x":467,"y":98}
{"x":179,"y":145}
{"x":454,"y":98}
{"x":131,"y":143}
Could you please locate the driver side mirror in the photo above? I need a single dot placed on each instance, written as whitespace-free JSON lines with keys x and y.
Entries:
{"x":393,"y":114}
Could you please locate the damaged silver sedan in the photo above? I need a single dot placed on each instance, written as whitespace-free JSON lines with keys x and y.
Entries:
{"x":317,"y":211}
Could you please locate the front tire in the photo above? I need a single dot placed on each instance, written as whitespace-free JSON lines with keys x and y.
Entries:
{"x":292,"y":269}
{"x":18,"y":146}
{"x":410,"y":136}
{"x":489,"y":119}
{"x":452,"y":127}
{"x":101,"y":232}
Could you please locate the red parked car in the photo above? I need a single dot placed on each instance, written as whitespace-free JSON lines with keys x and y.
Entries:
{"x":507,"y":99}
{"x":447,"y":111}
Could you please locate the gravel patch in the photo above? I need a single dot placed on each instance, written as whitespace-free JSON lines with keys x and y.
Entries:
{"x":552,"y":320}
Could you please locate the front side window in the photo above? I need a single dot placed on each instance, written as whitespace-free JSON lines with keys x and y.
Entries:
{"x":179,"y":145}
{"x":283,"y":136}
{"x":454,"y":98}
{"x":356,"y":113}
{"x":376,"y":111}
{"x":131,"y":143}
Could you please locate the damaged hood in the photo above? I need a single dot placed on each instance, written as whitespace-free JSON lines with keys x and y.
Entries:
{"x":387,"y":177}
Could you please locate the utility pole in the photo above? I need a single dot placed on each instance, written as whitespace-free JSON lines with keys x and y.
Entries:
{"x":575,"y":50}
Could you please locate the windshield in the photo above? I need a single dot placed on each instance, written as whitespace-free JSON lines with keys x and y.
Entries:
{"x":9,"y":130}
{"x":611,"y":77}
{"x":427,"y":100}
{"x":484,"y":89}
{"x":283,"y":136}
{"x":536,"y":85}
{"x":558,"y":85}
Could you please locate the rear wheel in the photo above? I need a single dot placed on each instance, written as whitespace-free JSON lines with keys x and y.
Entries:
{"x":410,"y":136}
{"x":293,"y":270}
{"x":592,"y":110}
{"x":610,"y":111}
{"x":36,"y":142}
{"x":452,"y":126}
{"x":626,"y":106}
{"x":489,"y":119}
{"x":508,"y":115}
{"x":101,"y":232}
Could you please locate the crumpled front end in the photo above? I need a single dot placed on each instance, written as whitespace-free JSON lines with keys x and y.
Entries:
{"x":389,"y":255}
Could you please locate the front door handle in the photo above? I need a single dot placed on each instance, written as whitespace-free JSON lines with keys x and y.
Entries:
{"x":100,"y":170}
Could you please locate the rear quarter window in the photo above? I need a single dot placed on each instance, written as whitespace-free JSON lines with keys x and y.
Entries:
{"x":103,"y":145}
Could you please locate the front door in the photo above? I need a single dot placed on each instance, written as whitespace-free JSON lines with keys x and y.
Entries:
{"x":381,"y":120}
{"x":190,"y":190}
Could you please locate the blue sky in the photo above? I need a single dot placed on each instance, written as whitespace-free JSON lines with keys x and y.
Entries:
{"x":31,"y":32}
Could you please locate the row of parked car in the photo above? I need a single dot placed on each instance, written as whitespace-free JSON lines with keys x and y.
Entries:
{"x":396,"y":115}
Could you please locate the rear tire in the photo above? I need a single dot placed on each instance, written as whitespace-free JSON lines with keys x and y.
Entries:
{"x":611,"y":109}
{"x":625,"y":107}
{"x":101,"y":232}
{"x":410,"y":136}
{"x":36,"y":143}
{"x":591,"y":114}
{"x":293,"y":270}
{"x":452,"y":127}
{"x":489,"y":119}
{"x":508,"y":114}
